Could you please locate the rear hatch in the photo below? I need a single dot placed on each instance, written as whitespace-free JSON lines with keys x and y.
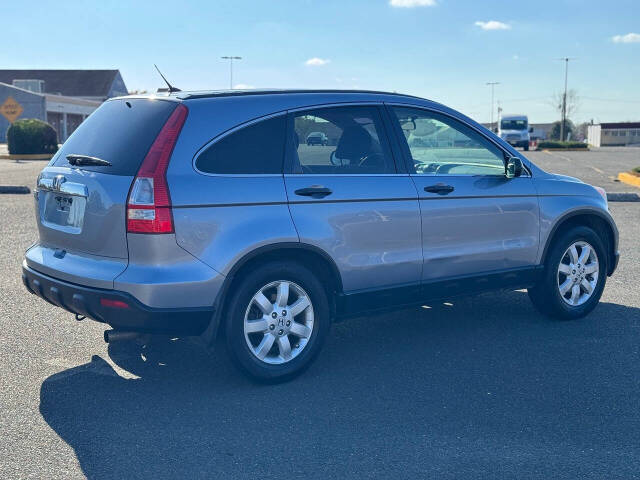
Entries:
{"x":82,"y":194}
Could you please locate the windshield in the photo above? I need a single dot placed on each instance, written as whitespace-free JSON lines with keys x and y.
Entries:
{"x":513,"y":125}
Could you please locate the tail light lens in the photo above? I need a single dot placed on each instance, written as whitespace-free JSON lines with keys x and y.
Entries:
{"x":149,"y":202}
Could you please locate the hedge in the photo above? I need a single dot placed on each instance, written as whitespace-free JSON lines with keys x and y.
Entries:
{"x":31,"y":136}
{"x":554,"y":144}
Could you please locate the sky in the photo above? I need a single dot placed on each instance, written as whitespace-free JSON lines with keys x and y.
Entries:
{"x":444,"y":50}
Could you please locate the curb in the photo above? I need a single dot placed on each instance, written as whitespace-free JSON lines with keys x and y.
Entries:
{"x":15,"y":189}
{"x":629,"y":179}
{"x":563,"y":150}
{"x":40,"y":156}
{"x":623,"y":197}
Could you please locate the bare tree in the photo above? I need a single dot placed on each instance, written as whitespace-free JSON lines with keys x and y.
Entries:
{"x":573,"y":102}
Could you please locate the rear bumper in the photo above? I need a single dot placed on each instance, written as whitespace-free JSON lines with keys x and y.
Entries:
{"x":137,"y":317}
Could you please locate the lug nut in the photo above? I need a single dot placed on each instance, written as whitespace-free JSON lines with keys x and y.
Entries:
{"x":274,"y":315}
{"x":288,"y":323}
{"x":284,"y":313}
{"x":280,"y":332}
{"x":272,"y":326}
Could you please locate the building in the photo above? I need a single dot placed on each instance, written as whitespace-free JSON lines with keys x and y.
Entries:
{"x":541,"y":131}
{"x":63,"y":98}
{"x":614,"y":134}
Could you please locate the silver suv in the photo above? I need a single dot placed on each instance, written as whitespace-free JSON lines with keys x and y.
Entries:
{"x":206,"y":213}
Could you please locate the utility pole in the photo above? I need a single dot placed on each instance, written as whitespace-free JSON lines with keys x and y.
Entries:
{"x":493,"y":84}
{"x":231,"y":59}
{"x":563,"y":115}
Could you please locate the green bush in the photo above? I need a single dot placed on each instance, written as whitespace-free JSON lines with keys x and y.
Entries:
{"x":569,"y":129}
{"x":554,"y":144}
{"x":636,"y":170}
{"x":31,"y":136}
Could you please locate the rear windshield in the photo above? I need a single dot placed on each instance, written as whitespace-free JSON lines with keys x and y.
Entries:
{"x":120,"y":131}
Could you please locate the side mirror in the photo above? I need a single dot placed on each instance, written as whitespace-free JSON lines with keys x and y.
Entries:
{"x":530,"y":129}
{"x":513,"y":167}
{"x":495,"y":130}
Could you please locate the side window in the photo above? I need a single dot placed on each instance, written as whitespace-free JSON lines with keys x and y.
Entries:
{"x":340,"y":140}
{"x":255,"y":149}
{"x":441,"y":146}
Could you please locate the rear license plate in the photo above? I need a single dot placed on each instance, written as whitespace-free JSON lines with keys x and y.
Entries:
{"x":62,"y":211}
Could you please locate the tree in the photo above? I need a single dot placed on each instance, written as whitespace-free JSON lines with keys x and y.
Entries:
{"x":569,"y":128}
{"x":572,"y":105}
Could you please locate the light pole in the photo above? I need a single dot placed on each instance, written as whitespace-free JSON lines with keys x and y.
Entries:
{"x":231,"y":59}
{"x":563,"y":115}
{"x":493,"y":84}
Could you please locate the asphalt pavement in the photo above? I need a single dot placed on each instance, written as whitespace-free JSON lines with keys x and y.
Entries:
{"x":479,"y":387}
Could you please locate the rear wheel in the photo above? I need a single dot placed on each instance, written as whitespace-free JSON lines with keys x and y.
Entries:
{"x":574,"y":275}
{"x":278,"y":320}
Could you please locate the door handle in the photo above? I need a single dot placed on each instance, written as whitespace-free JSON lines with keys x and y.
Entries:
{"x":314,"y":191}
{"x":439,"y":188}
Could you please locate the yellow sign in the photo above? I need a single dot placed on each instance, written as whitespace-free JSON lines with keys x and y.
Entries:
{"x":11,"y":109}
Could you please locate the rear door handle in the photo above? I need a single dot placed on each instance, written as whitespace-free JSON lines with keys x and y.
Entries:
{"x":314,"y":191}
{"x":439,"y":188}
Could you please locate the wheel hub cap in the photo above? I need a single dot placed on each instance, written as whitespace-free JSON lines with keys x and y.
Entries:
{"x":278,"y":322}
{"x":578,"y":273}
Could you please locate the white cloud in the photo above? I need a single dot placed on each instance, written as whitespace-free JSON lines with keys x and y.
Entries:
{"x":493,"y":25}
{"x":316,"y":62}
{"x":628,"y":38}
{"x":243,"y":86}
{"x":516,"y":57}
{"x":412,"y":3}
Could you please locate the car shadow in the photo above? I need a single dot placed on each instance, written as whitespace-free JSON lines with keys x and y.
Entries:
{"x":481,"y":384}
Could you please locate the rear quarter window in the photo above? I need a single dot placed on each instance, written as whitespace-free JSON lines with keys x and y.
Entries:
{"x":119,"y":131}
{"x":255,"y":149}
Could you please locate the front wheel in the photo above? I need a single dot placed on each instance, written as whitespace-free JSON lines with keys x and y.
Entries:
{"x":574,"y":275}
{"x":278,"y":320}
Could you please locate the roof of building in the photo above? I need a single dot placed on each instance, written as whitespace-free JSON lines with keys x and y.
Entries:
{"x":72,"y":83}
{"x":620,"y":125}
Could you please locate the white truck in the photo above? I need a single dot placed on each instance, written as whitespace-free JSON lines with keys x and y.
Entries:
{"x":514,"y":129}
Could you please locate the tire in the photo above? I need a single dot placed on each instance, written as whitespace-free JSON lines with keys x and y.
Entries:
{"x":244,"y":348}
{"x":526,"y":148}
{"x":546,"y":295}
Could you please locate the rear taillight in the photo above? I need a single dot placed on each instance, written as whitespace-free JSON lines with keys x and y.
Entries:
{"x":149,"y":202}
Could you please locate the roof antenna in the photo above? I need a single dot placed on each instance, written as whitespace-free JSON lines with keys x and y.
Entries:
{"x":171,"y":88}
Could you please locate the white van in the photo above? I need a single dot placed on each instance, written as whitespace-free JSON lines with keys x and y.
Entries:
{"x":514,"y":129}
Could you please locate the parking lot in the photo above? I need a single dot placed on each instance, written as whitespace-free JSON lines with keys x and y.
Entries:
{"x":480,"y":387}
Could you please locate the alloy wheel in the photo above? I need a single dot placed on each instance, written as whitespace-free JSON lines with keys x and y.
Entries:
{"x":278,"y":322}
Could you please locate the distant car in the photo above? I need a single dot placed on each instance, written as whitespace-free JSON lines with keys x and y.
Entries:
{"x":317,"y":138}
{"x":184,"y":213}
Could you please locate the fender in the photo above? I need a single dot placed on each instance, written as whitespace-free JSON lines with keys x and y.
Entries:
{"x":613,"y":248}
{"x":210,"y":333}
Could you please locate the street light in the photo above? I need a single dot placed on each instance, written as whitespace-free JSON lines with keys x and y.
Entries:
{"x":493,"y":84}
{"x":231,"y":59}
{"x":564,"y":96}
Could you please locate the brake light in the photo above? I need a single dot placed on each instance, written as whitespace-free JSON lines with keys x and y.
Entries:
{"x":107,"y":302}
{"x":149,"y":202}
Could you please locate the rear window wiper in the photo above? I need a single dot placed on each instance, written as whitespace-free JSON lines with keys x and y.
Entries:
{"x":75,"y":159}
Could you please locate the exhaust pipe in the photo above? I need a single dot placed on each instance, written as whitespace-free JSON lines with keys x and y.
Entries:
{"x":117,"y":335}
